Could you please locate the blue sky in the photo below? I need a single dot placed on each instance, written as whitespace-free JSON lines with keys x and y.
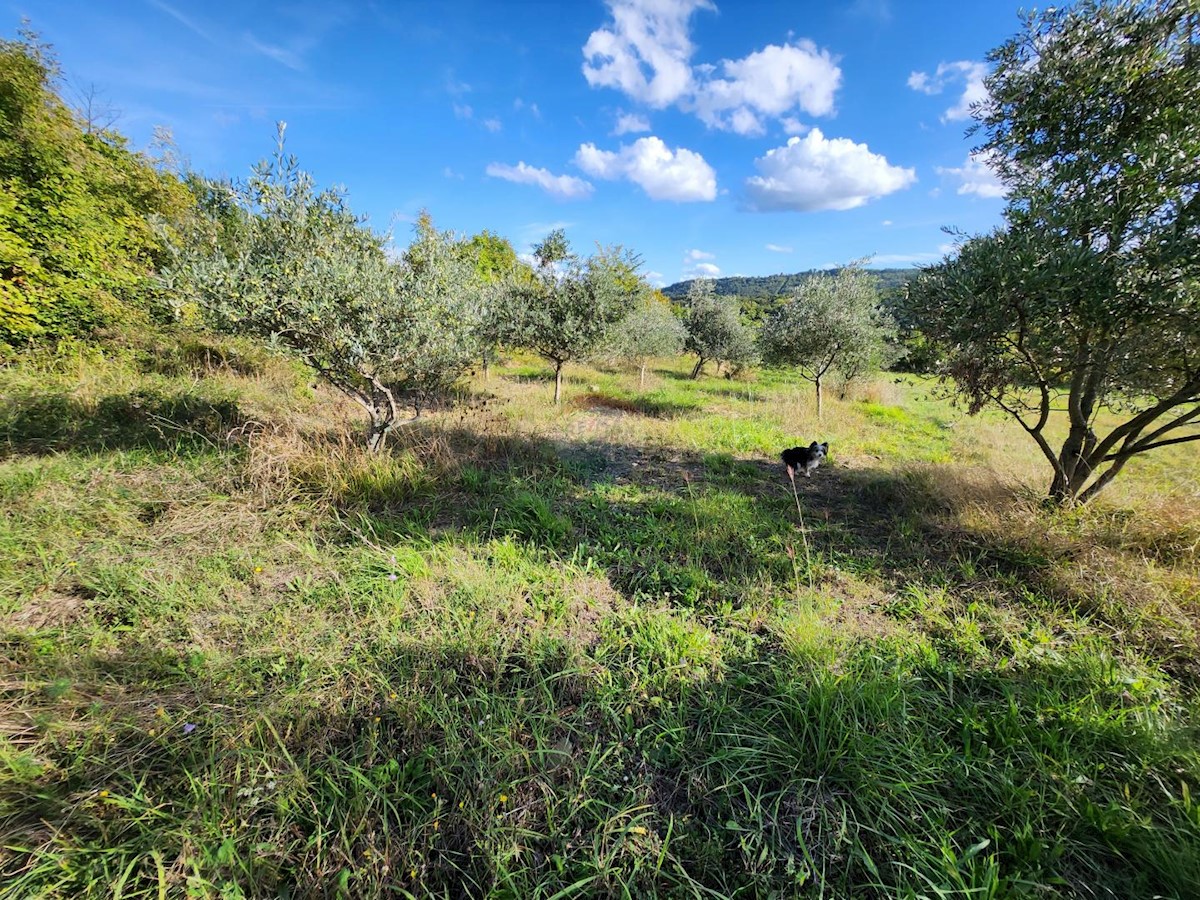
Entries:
{"x":712,"y":138}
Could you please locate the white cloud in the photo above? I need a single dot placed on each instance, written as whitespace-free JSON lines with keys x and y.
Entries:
{"x":463,"y":111}
{"x":657,"y":279}
{"x":776,"y":248}
{"x":696,"y":255}
{"x":792,"y":125}
{"x":813,"y":173}
{"x":976,"y":177}
{"x":772,"y":82}
{"x":493,"y":125}
{"x":450,"y":173}
{"x":971,"y":74}
{"x":704,"y":270}
{"x":664,"y":174}
{"x":631,"y":123}
{"x":564,"y":187}
{"x":886,"y":222}
{"x":520,"y":104}
{"x":645,"y":52}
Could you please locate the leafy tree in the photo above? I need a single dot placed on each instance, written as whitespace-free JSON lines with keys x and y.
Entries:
{"x":833,"y":323}
{"x":77,"y":247}
{"x":567,"y":308}
{"x":496,"y":264}
{"x":650,"y":329}
{"x":281,"y":261}
{"x":715,"y":330}
{"x":1089,"y":298}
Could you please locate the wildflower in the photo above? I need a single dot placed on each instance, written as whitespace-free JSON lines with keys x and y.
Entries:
{"x":637,"y":829}
{"x":434,"y":795}
{"x":392,"y":695}
{"x":103,"y":794}
{"x":393,"y":577}
{"x":72,"y":564}
{"x":412,"y":873}
{"x":504,"y":798}
{"x":377,"y":718}
{"x":189,"y":727}
{"x":160,"y":712}
{"x":152,"y":732}
{"x":460,"y":804}
{"x":435,"y":825}
{"x":258,"y":570}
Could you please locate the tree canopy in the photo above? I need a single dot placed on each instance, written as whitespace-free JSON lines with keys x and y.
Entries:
{"x":833,"y":323}
{"x":649,"y":329}
{"x":566,"y":309}
{"x":1089,"y":298}
{"x":77,"y":246}
{"x":280,"y":260}
{"x":715,"y":331}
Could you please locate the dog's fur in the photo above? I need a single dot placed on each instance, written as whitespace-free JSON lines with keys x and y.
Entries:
{"x":804,"y":459}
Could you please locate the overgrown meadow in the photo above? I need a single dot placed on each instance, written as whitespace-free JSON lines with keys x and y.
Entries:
{"x":595,"y":651}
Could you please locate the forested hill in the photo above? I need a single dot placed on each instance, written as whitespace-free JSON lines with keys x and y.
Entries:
{"x":766,"y":286}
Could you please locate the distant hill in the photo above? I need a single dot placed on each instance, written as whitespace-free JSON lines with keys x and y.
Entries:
{"x":765,"y":287}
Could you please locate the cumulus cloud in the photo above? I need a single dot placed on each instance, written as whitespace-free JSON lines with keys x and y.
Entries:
{"x":703,"y":270}
{"x":631,"y":123}
{"x":771,"y":82}
{"x":776,"y":248}
{"x":693,"y":256}
{"x":969,"y":74}
{"x":646,"y":53}
{"x":463,"y":111}
{"x":976,"y":176}
{"x":813,"y":173}
{"x":493,"y":125}
{"x":564,"y":187}
{"x":664,"y":174}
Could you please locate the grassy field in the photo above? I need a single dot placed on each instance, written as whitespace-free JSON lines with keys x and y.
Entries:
{"x":588,"y":652}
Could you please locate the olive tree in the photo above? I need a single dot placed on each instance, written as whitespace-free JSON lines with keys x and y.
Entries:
{"x":496,"y":264}
{"x":282,"y":261}
{"x":1088,"y":300}
{"x":832,"y":324}
{"x":567,"y":307}
{"x":650,"y":329}
{"x":715,"y":330}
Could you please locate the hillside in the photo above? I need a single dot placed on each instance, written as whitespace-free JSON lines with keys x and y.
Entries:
{"x":756,"y":287}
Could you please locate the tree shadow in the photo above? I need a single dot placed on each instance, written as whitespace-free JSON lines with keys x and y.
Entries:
{"x":52,"y":423}
{"x":772,"y":773}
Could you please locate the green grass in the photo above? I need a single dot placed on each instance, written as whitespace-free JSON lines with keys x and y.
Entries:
{"x":584,"y":652}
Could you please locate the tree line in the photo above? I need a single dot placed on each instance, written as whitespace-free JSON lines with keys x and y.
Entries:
{"x":1085,"y":301}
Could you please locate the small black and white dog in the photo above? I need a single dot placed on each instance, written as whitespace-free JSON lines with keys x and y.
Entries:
{"x":804,"y":459}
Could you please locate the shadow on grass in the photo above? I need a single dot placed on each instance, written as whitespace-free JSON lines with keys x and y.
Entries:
{"x":60,"y":423}
{"x":893,"y":775}
{"x":645,"y":405}
{"x":707,"y":531}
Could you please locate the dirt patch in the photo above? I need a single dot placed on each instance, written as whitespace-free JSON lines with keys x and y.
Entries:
{"x":49,"y":609}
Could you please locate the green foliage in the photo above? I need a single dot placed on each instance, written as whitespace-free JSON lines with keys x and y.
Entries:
{"x":77,"y":249}
{"x":278,"y":260}
{"x":1091,"y":293}
{"x":715,"y":330}
{"x":649,"y":329}
{"x":566,"y":309}
{"x":472,"y":667}
{"x":834,"y":323}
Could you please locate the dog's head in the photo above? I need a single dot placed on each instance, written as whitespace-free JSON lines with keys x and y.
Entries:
{"x":818,"y":449}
